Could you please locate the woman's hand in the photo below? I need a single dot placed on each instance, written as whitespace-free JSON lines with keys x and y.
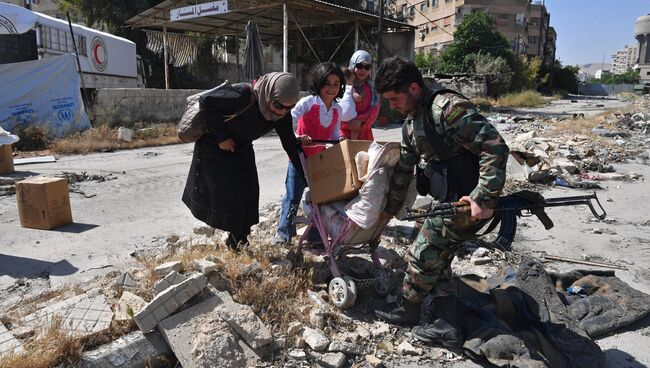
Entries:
{"x":228,"y":145}
{"x":342,"y":138}
{"x":304,"y":139}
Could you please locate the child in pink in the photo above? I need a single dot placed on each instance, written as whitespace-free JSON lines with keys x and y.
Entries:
{"x":366,"y":100}
{"x":319,"y":117}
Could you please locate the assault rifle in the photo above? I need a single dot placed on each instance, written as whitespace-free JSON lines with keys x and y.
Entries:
{"x":510,"y":207}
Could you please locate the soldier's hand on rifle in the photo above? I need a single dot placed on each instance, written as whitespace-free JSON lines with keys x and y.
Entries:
{"x":478,"y":213}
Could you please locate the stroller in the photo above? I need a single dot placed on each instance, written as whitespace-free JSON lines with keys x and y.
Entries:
{"x":351,"y":238}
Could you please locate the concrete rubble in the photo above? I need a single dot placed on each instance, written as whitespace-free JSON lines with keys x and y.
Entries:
{"x":186,"y":314}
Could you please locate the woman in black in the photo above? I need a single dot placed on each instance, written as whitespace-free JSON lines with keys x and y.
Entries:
{"x":222,"y":188}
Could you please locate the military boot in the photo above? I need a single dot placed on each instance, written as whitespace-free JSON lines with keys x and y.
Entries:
{"x":441,"y":326}
{"x":403,"y":312}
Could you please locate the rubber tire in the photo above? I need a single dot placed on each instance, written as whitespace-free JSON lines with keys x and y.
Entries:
{"x":342,"y":292}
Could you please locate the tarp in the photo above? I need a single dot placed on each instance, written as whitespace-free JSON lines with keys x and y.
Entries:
{"x":16,"y":19}
{"x":254,"y":60}
{"x":44,"y":93}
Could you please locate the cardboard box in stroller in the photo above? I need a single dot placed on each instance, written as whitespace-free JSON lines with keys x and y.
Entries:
{"x":333,"y":174}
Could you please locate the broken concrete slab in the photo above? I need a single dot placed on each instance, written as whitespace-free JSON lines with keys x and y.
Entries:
{"x":172,"y":278}
{"x":245,"y":322}
{"x":298,"y":354}
{"x":199,"y":338}
{"x":316,"y":339}
{"x":167,"y":302}
{"x":128,"y":306}
{"x":82,"y":315}
{"x":8,"y":342}
{"x":135,"y":350}
{"x":201,"y":228}
{"x":379,"y":329}
{"x":168,"y":267}
{"x":405,"y":348}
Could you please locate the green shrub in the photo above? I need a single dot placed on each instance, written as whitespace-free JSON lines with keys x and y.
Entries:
{"x":32,"y":137}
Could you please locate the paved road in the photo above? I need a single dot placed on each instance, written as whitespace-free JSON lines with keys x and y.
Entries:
{"x":141,"y":205}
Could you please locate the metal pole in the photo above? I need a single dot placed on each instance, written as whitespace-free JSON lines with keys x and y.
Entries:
{"x":76,"y":54}
{"x":39,"y":28}
{"x":381,"y":20}
{"x":356,"y":36}
{"x":166,"y":57}
{"x":237,"y":47}
{"x":285,"y":38}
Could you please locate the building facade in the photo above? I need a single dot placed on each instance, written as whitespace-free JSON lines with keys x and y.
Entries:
{"x":524,"y":24}
{"x":625,"y":59}
{"x":48,"y":7}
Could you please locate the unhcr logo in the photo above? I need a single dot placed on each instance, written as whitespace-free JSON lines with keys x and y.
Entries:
{"x":8,"y":25}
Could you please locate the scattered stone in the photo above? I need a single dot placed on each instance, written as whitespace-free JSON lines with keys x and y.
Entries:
{"x":215,"y":259}
{"x":200,"y":228}
{"x":298,"y":354}
{"x":374,"y":361}
{"x":405,"y":348}
{"x":128,"y":306}
{"x":134,"y":350}
{"x":294,"y":328}
{"x":205,"y":266}
{"x":379,"y":329}
{"x":300,"y":342}
{"x":317,"y":318}
{"x":168,"y":301}
{"x":281,"y":264}
{"x":173,"y":239}
{"x":168,"y":267}
{"x":199,"y":338}
{"x":172,"y":278}
{"x":316,"y":339}
{"x":252,"y":269}
{"x":245,"y":322}
{"x":363,"y":332}
{"x":330,"y":360}
{"x":8,"y":342}
{"x":125,"y":281}
{"x":346,"y":347}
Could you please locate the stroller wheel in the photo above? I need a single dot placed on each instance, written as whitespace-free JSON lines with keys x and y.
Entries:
{"x":384,"y":283}
{"x":343,"y":292}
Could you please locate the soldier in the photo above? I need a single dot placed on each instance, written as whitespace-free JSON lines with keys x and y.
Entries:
{"x":457,"y":155}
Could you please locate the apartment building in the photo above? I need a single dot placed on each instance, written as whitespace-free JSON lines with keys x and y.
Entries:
{"x":48,"y":7}
{"x":625,"y":59}
{"x":524,"y":24}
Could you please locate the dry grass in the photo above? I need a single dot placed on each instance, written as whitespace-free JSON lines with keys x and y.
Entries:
{"x":484,"y":104}
{"x":273,"y":294}
{"x":103,"y":137}
{"x":51,"y":348}
{"x":523,"y":99}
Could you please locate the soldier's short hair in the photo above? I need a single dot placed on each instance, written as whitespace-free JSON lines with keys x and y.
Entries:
{"x":396,"y":74}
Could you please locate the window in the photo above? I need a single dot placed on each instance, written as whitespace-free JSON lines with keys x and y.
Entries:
{"x":59,"y":40}
{"x":447,"y":21}
{"x":404,"y":11}
{"x":434,"y":3}
{"x":532,"y":39}
{"x":424,"y":5}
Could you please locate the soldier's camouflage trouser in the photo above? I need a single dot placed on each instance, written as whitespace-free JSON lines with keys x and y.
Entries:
{"x":429,"y":258}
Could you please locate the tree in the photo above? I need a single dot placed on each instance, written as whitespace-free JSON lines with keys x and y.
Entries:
{"x":526,"y":73}
{"x":498,"y":73}
{"x":476,"y":33}
{"x":564,"y":78}
{"x":629,"y":77}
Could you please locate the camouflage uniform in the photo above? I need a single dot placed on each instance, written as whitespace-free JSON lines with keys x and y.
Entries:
{"x":461,"y":127}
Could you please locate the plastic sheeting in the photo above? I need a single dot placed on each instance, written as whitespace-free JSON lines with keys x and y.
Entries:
{"x":254,"y":61}
{"x":44,"y":93}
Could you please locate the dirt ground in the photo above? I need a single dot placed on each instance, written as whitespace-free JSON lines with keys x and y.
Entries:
{"x":140,"y":207}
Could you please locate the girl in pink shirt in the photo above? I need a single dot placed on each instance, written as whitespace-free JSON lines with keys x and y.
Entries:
{"x":366,"y":100}
{"x":318,"y":116}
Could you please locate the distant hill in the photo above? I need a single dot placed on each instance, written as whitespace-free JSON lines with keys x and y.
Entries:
{"x":591,"y":68}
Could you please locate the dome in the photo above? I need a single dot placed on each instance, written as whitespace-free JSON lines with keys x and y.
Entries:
{"x":642,"y":25}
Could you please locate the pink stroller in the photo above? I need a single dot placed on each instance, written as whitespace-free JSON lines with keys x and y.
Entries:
{"x":351,"y":239}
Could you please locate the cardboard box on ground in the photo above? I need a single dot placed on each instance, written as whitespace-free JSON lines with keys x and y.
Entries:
{"x":332,"y":173}
{"x":43,"y":203}
{"x":6,"y":159}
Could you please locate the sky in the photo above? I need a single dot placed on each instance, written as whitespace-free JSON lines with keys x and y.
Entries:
{"x":588,"y":28}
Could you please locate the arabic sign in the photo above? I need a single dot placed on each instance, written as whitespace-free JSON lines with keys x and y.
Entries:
{"x":199,"y":10}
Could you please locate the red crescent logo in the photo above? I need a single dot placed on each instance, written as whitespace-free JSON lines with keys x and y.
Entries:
{"x":100,"y":64}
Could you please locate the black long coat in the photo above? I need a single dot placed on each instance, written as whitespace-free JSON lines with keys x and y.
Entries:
{"x":222,"y":187}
